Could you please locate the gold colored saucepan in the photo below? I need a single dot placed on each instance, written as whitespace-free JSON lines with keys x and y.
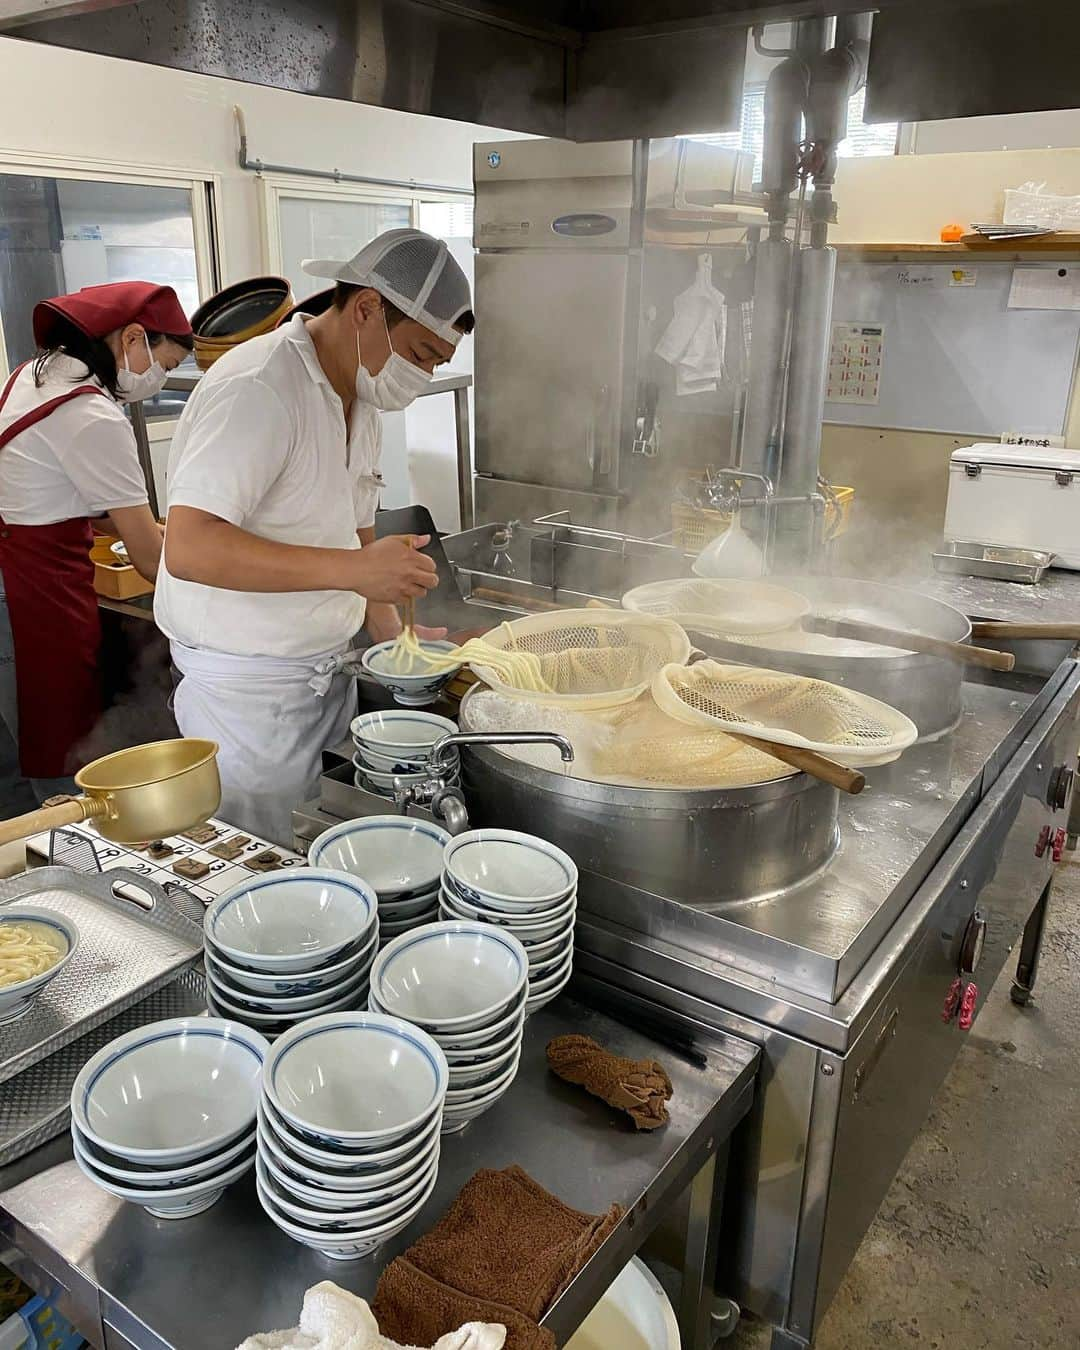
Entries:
{"x":148,"y":792}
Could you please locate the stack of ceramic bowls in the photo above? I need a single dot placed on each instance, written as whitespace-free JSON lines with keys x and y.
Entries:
{"x":399,"y":857}
{"x":349,"y":1126}
{"x":165,"y":1115}
{"x":394,"y":749}
{"x":281,"y":949}
{"x":466,"y":985}
{"x":524,"y":885}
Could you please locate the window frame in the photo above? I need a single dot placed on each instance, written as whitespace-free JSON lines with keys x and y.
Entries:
{"x":203,"y":186}
{"x":274,"y":186}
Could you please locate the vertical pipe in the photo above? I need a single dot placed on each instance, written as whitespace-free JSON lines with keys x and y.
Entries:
{"x":816,"y":274}
{"x":771,"y":282}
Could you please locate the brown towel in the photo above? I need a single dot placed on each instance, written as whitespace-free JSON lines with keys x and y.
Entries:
{"x":640,"y":1087}
{"x":412,"y":1308}
{"x":505,"y":1245}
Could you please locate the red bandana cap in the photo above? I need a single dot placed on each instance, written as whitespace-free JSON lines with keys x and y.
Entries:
{"x":99,"y":310}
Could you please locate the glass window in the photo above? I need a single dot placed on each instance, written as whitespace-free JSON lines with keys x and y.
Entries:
{"x":447,"y":220}
{"x":321,"y":227}
{"x":863,"y":138}
{"x":59,"y":234}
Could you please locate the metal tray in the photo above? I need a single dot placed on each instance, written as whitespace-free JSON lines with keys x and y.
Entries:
{"x":132,"y":940}
{"x":961,"y":558}
{"x":35,"y":1105}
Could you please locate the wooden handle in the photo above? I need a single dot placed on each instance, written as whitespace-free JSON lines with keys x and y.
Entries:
{"x":840,"y":776}
{"x":1046,"y":632}
{"x":915,"y":642}
{"x":50,"y":818}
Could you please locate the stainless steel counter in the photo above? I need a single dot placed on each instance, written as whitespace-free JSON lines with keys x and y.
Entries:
{"x":1056,"y":599}
{"x":210,"y":1281}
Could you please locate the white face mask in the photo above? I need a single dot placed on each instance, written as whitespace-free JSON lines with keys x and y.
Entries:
{"x":134,"y":387}
{"x":397,"y":385}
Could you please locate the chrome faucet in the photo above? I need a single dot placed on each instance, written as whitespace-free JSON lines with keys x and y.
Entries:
{"x":566,"y":750}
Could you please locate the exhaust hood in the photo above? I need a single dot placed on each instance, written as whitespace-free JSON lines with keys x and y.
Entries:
{"x":576,"y":69}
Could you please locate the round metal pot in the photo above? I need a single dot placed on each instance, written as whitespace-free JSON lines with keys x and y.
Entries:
{"x":925,"y":688}
{"x":707,"y":848}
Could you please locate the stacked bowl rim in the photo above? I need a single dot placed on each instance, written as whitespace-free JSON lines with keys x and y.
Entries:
{"x":360,"y":728}
{"x":223,"y":911}
{"x":346,"y":1162}
{"x":256,"y":982}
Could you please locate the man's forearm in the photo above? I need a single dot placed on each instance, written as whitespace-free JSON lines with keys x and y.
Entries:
{"x":203,"y":548}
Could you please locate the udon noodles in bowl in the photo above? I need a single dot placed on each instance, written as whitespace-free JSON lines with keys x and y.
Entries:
{"x":35,"y":945}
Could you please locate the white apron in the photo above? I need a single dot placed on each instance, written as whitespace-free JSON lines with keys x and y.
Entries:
{"x":272,"y":719}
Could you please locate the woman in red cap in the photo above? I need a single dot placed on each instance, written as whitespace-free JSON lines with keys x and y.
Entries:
{"x":67,"y":454}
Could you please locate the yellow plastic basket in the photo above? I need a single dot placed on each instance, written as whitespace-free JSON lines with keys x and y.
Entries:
{"x":695,"y":526}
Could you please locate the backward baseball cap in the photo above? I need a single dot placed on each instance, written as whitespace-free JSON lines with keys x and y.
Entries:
{"x":414,"y":271}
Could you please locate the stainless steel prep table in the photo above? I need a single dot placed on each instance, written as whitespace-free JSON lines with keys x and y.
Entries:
{"x":207,"y":1282}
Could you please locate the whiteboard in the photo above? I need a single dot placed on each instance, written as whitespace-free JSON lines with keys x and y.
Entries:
{"x":956,"y":358}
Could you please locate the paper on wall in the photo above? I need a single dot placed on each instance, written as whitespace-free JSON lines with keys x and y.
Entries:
{"x":1045,"y":288}
{"x":856,"y":354}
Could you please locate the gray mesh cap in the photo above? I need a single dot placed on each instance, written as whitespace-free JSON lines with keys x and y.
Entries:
{"x":414,"y":271}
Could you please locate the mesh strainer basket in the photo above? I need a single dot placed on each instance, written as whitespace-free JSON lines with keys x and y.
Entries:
{"x":719,"y":607}
{"x":789,"y":709}
{"x":589,"y":658}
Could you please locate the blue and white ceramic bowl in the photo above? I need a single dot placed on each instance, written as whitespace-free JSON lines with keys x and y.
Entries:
{"x":139,"y":1176}
{"x":400,"y":732}
{"x":265,"y":984}
{"x":59,"y":932}
{"x":283,"y":1005}
{"x":508,"y":870}
{"x":291,"y":923}
{"x":400,"y":857}
{"x":355,"y":1080}
{"x":171,"y":1092}
{"x":451,"y":976}
{"x":411,"y":690}
{"x":341,"y":1245}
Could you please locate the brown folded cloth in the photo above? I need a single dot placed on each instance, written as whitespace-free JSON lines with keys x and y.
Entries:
{"x":640,"y":1087}
{"x":505,"y":1246}
{"x":413,"y":1309}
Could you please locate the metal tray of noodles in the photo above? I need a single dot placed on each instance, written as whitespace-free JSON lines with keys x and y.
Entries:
{"x":35,"y":1105}
{"x":133,"y":939}
{"x":961,"y":558}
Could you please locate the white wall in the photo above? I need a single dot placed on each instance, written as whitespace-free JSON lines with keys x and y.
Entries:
{"x":1020,"y":131}
{"x":59,"y":102}
{"x":125,"y":114}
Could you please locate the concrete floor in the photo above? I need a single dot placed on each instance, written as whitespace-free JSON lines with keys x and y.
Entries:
{"x":977,"y":1244}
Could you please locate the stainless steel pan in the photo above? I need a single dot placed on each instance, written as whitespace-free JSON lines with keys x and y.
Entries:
{"x":924,"y":686}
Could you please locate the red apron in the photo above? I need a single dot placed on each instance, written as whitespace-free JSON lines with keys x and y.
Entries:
{"x":49,"y":583}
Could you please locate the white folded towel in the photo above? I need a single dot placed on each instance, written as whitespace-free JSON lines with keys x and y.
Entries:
{"x":334,"y":1319}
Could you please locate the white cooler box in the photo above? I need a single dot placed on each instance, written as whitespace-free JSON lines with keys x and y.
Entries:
{"x":1016,"y":496}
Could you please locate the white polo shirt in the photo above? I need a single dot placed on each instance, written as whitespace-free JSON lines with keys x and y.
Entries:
{"x":80,"y":460}
{"x":262,"y":444}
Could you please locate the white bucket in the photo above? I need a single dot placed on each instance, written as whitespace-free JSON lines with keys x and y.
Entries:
{"x":634,"y":1314}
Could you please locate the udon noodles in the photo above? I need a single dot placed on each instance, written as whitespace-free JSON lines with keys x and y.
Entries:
{"x":516,"y":669}
{"x":24,"y":953}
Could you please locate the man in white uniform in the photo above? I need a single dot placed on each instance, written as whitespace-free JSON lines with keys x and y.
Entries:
{"x":271,"y":566}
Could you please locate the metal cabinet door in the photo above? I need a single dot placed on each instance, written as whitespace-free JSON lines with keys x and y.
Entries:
{"x":549,"y":354}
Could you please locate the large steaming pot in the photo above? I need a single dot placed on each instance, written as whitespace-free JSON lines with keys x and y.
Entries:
{"x":703,"y":847}
{"x":925,"y":688}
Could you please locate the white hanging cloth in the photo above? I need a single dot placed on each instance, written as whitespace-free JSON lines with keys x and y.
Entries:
{"x":693,"y":341}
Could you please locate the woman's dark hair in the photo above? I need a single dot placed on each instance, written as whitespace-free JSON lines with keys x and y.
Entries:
{"x":94,"y":353}
{"x":344,"y":291}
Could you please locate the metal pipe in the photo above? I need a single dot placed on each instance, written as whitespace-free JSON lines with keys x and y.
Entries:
{"x":565,"y":749}
{"x":758,"y":32}
{"x":785,"y":94}
{"x":330,"y":175}
{"x":816,"y":276}
{"x":771,"y":285}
